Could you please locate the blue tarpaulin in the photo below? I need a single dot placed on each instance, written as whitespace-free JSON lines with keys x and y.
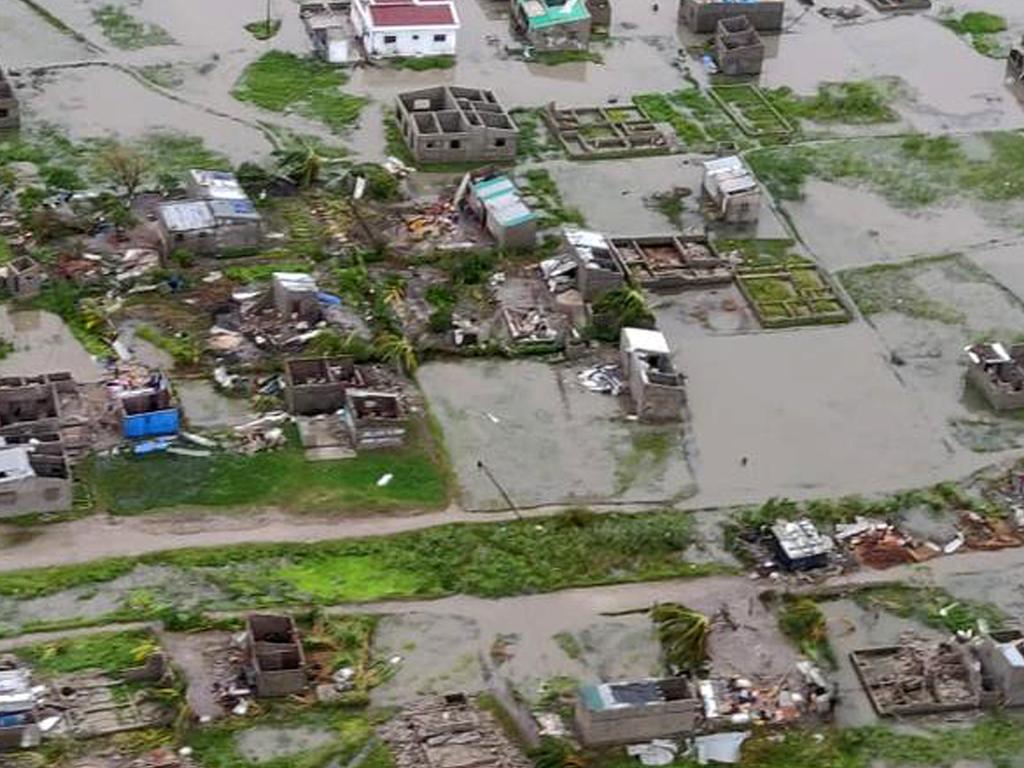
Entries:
{"x":151,"y":424}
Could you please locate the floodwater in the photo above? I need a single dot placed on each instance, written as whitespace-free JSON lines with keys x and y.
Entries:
{"x":546,"y":439}
{"x":43,"y":344}
{"x":815,"y":411}
{"x":932,"y":351}
{"x":848,"y":226}
{"x":206,"y":408}
{"x":455,"y":642}
{"x":612,"y":194}
{"x":949,"y":85}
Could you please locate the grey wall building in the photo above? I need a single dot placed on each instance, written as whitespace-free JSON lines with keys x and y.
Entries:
{"x":10,"y":113}
{"x":296,"y":296}
{"x":25,"y":276}
{"x":997,"y":373}
{"x":448,"y":124}
{"x":631,"y":712}
{"x":210,"y":227}
{"x":702,"y":16}
{"x":739,"y":50}
{"x":318,"y":385}
{"x":375,"y":419}
{"x":34,"y":479}
{"x":276,"y":659}
{"x":732,"y":191}
{"x":30,"y":405}
{"x":654,"y":384}
{"x":598,"y":268}
{"x":1002,"y":662}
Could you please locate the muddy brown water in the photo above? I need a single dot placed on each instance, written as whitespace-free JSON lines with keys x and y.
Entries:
{"x":43,"y":344}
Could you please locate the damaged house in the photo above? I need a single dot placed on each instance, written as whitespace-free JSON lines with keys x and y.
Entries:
{"x":316,"y":385}
{"x":296,"y":296}
{"x":631,"y":712}
{"x":449,"y":732}
{"x":800,"y":546}
{"x":1002,"y":663}
{"x":276,"y":660}
{"x":24,"y":276}
{"x":731,"y":191}
{"x":448,"y":124}
{"x":654,"y":384}
{"x":702,"y":16}
{"x":916,"y":678}
{"x":209,"y":227}
{"x":147,"y":407}
{"x":997,"y":373}
{"x":739,"y":50}
{"x":34,"y":478}
{"x":10,"y":114}
{"x":672,"y":262}
{"x":553,"y":25}
{"x":396,"y":28}
{"x":330,"y":29}
{"x":497,"y":204}
{"x":375,"y":419}
{"x":590,"y":266}
{"x":18,"y":715}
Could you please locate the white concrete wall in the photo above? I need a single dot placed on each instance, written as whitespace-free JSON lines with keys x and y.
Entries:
{"x":409,"y":42}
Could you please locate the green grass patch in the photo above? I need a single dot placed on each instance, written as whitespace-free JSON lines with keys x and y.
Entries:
{"x":107,"y":651}
{"x":184,"y":348}
{"x":485,"y":559}
{"x":864,"y":102}
{"x":125,"y":31}
{"x":130,"y":485}
{"x":282,"y":82}
{"x":982,"y":30}
{"x":264,"y":29}
{"x":422,"y":63}
{"x":258,"y":273}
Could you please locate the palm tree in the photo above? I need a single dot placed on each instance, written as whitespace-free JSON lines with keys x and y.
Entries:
{"x":396,"y":350}
{"x":683,"y":634}
{"x":305,"y":163}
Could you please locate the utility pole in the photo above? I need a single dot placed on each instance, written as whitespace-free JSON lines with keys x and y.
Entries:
{"x":508,"y":499}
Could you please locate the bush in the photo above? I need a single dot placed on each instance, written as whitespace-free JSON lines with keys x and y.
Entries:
{"x":440,"y":320}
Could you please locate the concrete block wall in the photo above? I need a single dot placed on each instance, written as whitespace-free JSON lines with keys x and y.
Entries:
{"x":703,"y":17}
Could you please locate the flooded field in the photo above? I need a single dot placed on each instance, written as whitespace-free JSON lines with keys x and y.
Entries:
{"x":43,"y":344}
{"x":546,"y":439}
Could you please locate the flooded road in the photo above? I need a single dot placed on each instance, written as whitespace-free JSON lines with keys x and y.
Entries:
{"x":43,"y":344}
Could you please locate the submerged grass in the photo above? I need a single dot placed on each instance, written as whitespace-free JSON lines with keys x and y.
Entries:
{"x":422,"y":63}
{"x":982,"y":29}
{"x":932,"y":606}
{"x":863,"y":102}
{"x":280,"y":82}
{"x":891,"y":288}
{"x":125,"y":31}
{"x":554,"y":212}
{"x":910,"y":172}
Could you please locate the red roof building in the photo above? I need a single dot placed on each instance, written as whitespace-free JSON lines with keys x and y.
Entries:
{"x":400,"y":28}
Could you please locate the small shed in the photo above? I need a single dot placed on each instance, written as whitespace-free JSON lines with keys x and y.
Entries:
{"x":732,"y":190}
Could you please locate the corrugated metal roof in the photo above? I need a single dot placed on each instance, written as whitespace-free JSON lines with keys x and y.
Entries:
{"x":645,"y":340}
{"x":234,"y":209}
{"x":187,"y":216}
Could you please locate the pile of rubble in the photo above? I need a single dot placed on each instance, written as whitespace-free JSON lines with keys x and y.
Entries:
{"x":449,"y":732}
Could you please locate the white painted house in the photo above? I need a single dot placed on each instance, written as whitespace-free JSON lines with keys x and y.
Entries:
{"x":406,"y":27}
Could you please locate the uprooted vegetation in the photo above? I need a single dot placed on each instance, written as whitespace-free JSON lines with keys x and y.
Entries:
{"x":931,"y":606}
{"x":802,"y":621}
{"x":125,"y":31}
